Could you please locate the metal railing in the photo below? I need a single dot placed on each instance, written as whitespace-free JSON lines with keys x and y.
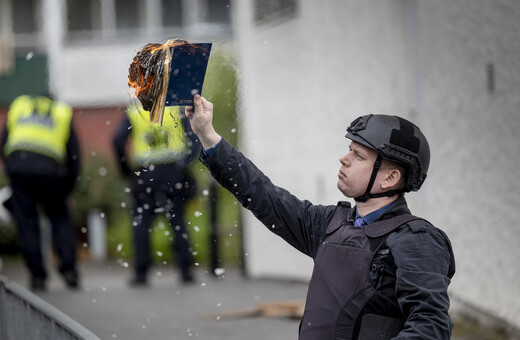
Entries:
{"x":26,"y":316}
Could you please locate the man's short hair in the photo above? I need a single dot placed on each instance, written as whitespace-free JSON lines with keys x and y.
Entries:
{"x":387,"y":164}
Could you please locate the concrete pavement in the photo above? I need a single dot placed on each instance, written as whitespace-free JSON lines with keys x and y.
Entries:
{"x":167,"y":310}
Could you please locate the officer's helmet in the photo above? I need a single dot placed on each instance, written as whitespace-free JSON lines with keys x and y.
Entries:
{"x":395,"y":139}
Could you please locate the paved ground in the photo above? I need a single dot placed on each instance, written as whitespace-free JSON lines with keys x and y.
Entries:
{"x":167,"y":310}
{"x":109,"y":308}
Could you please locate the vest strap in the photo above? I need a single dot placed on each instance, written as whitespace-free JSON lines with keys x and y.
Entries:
{"x":380,"y":228}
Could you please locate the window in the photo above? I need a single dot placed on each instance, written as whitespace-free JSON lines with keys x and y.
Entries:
{"x":127,"y":14}
{"x":24,"y":16}
{"x":25,"y":24}
{"x":172,"y":13}
{"x":106,"y":20}
{"x":270,"y":10}
{"x":79,"y":15}
{"x":219,"y":11}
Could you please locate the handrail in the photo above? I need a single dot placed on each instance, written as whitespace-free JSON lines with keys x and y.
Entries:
{"x":23,"y":315}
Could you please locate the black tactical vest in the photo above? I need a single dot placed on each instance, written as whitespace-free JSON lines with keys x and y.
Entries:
{"x":342,"y":302}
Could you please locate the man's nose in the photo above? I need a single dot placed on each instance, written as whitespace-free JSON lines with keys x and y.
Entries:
{"x":345,"y":160}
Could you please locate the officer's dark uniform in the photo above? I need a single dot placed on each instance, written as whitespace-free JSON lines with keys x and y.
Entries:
{"x":160,"y":155}
{"x":42,"y":157}
{"x":384,"y":280}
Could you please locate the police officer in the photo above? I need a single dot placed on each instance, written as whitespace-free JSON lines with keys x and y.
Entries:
{"x":379,"y":272}
{"x":160,"y":186}
{"x":41,"y":155}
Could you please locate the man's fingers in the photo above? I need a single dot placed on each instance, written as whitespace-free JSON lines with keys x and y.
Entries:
{"x":197,"y":107}
{"x":197,"y":104}
{"x":188,"y":111}
{"x":206,"y":105}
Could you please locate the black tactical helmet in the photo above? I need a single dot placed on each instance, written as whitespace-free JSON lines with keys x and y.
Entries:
{"x":396,"y":139}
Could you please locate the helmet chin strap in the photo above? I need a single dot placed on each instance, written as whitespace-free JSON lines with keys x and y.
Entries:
{"x":367,"y":195}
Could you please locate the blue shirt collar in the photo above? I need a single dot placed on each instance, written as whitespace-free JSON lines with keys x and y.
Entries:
{"x":374,"y":215}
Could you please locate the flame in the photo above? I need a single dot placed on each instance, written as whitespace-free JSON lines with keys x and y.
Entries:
{"x":141,"y":84}
{"x":142,"y":79}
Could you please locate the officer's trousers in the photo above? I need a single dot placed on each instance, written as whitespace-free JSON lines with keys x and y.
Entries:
{"x":29,"y":193}
{"x":156,"y":192}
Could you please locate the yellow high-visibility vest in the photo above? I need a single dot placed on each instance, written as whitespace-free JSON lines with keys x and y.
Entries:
{"x":154,"y":143}
{"x":39,"y":125}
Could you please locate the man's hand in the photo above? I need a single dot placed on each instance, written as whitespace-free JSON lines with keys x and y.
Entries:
{"x":201,"y":121}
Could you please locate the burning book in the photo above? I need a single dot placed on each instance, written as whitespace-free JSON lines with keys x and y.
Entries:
{"x":168,"y":74}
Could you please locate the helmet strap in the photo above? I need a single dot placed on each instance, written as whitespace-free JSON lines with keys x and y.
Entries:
{"x":367,"y":195}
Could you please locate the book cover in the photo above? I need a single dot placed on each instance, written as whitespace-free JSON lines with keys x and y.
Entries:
{"x":187,"y":71}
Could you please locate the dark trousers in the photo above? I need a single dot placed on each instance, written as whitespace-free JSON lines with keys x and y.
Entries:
{"x":29,"y":192}
{"x":158,"y":192}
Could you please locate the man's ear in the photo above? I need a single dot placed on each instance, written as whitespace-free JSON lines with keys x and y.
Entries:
{"x":391,"y":180}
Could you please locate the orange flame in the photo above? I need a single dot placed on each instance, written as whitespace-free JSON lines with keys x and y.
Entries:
{"x":142,"y":80}
{"x":142,"y":84}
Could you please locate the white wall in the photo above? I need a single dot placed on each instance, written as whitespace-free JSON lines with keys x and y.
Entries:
{"x":83,"y":73}
{"x":475,"y":137}
{"x":303,"y":81}
{"x":84,"y":81}
{"x":306,"y":78}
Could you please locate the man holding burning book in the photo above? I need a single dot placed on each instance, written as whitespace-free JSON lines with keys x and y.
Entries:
{"x":379,"y":272}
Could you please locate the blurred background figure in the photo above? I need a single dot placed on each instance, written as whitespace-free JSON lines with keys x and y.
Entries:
{"x":41,"y":155}
{"x":161,"y":184}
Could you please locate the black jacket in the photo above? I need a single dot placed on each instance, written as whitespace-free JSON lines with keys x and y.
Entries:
{"x":30,"y":163}
{"x":421,"y":263}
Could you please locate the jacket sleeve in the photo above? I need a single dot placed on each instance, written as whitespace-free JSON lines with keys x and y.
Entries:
{"x":119,"y":142}
{"x":73,"y":160}
{"x":425,"y":265}
{"x":299,"y":222}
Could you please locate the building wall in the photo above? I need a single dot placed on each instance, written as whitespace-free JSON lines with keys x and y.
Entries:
{"x":473,"y":121}
{"x":307,"y":75}
{"x":84,"y":80}
{"x":88,"y":68}
{"x":304,"y":80}
{"x":87,"y":47}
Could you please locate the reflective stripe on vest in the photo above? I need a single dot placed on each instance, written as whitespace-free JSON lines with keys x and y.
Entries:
{"x":154,"y":143}
{"x":38,"y":125}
